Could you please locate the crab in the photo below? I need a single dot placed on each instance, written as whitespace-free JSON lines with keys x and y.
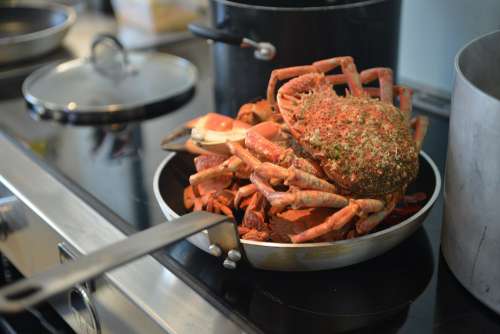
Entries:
{"x":364,"y":144}
{"x":354,"y":155}
{"x":210,"y":132}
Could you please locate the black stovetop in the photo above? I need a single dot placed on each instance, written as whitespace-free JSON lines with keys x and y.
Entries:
{"x":408,"y":290}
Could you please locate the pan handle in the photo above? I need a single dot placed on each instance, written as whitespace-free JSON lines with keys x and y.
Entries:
{"x":30,"y":291}
{"x":262,"y":50}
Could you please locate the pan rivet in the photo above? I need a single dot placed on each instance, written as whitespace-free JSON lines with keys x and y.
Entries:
{"x":234,"y":255}
{"x":215,"y":250}
{"x":229,"y":264}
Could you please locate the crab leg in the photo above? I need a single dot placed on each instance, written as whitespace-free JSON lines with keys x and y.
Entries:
{"x":367,"y":224}
{"x":420,"y":123}
{"x":342,"y":217}
{"x":270,"y":171}
{"x":254,"y":217}
{"x":306,"y":180}
{"x":203,"y":162}
{"x":253,"y":113}
{"x":298,"y":199}
{"x":243,"y":192}
{"x":223,"y":208}
{"x":307,"y":199}
{"x":283,"y":74}
{"x":385,"y":78}
{"x":276,"y":154}
{"x":370,"y":205}
{"x":266,"y":148}
{"x":348,"y":69}
{"x":404,"y":94}
{"x":335,"y":222}
{"x":189,"y":197}
{"x":262,"y":186}
{"x":229,"y":165}
{"x":244,"y":155}
{"x":198,"y":204}
{"x":405,"y":104}
{"x":295,"y":177}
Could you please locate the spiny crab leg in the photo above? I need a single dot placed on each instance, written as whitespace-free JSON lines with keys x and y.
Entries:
{"x":283,"y":74}
{"x":341,"y":218}
{"x":370,"y":205}
{"x":386,"y":82}
{"x":335,"y":222}
{"x":350,"y":74}
{"x":420,"y":123}
{"x":243,"y":192}
{"x":254,"y":217}
{"x":294,"y":177}
{"x":256,"y":142}
{"x":253,"y":113}
{"x":348,"y":69}
{"x":298,"y":199}
{"x":229,"y":165}
{"x":345,"y":215}
{"x":307,"y":199}
{"x":365,"y":225}
{"x":244,"y":155}
{"x":404,"y":94}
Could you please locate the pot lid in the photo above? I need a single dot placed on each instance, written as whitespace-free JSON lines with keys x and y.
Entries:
{"x":110,"y":86}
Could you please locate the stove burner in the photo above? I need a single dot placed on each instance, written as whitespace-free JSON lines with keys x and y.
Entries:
{"x":318,"y":302}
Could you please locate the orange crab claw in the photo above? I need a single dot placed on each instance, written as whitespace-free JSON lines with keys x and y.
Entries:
{"x":253,"y":113}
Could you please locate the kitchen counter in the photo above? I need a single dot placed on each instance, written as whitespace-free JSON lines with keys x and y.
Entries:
{"x":128,"y":159}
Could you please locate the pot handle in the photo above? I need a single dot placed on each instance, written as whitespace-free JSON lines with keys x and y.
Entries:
{"x":30,"y":291}
{"x":262,"y":50}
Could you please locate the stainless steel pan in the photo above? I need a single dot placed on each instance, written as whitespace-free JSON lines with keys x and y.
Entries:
{"x":32,"y":28}
{"x":173,"y":174}
{"x":220,"y":238}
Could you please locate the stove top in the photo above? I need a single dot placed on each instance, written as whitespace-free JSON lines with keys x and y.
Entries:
{"x":408,"y":290}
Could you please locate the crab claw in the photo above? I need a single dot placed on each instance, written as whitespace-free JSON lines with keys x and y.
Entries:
{"x":253,"y":113}
{"x":207,"y":134}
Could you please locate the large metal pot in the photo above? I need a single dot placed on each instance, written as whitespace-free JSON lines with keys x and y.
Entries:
{"x":471,"y":230}
{"x":289,"y":33}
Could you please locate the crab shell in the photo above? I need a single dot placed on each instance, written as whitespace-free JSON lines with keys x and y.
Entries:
{"x":364,"y":145}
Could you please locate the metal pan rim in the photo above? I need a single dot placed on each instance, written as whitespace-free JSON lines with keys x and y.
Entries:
{"x":458,"y":69}
{"x":300,"y":9}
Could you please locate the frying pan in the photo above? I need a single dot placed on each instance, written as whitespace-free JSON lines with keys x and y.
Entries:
{"x":172,"y":177}
{"x":32,"y":28}
{"x":218,"y":235}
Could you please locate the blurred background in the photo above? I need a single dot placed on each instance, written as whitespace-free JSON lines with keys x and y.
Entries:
{"x":431,"y":32}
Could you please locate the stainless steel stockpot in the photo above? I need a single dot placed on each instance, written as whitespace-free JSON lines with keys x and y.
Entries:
{"x":471,"y":230}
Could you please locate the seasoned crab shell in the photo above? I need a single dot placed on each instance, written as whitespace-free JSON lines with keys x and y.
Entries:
{"x":364,"y":145}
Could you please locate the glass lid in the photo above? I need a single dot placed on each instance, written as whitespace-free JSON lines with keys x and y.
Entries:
{"x":112,"y":85}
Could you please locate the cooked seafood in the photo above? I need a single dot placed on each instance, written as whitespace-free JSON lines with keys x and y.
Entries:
{"x":321,"y":167}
